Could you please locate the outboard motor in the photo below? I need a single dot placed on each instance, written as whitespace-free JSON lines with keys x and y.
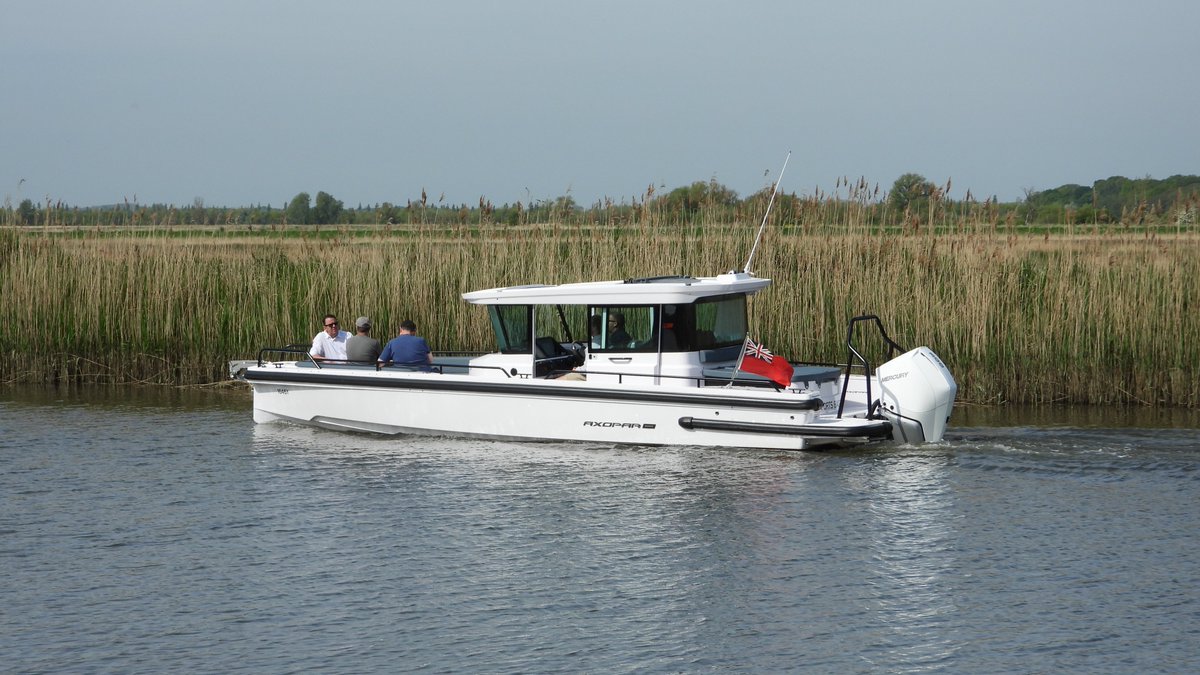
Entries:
{"x":917,"y":395}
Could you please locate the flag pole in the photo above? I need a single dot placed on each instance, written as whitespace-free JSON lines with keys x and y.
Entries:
{"x":758,"y":237}
{"x":741,"y":356}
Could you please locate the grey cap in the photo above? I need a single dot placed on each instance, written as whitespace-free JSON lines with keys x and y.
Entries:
{"x":362,"y":322}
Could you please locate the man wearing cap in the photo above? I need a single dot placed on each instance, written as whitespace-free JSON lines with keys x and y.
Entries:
{"x":362,"y":347}
{"x":331,"y":342}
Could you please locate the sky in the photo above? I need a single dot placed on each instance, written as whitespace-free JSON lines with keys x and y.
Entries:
{"x":247,"y":102}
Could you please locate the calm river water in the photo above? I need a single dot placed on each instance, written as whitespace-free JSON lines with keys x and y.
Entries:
{"x":150,"y":531}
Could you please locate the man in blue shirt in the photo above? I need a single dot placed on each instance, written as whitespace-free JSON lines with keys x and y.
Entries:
{"x":407,"y":348}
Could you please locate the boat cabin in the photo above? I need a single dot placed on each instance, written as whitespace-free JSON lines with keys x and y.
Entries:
{"x":660,"y":330}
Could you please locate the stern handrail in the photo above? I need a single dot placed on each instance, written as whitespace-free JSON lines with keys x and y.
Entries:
{"x":869,"y":372}
{"x":287,"y":349}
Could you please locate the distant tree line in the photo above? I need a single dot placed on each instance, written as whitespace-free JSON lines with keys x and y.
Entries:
{"x":912,"y":202}
{"x":1116,"y":199}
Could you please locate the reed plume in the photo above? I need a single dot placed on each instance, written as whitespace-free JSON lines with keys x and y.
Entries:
{"x":1103,"y":318}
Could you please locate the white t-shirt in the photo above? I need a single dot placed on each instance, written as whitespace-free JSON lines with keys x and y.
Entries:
{"x":330,"y":347}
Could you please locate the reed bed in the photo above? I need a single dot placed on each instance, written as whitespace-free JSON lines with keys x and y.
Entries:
{"x":1100,"y":319}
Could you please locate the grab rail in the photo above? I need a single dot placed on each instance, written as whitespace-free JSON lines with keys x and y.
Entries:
{"x":866,"y":365}
{"x":302,"y":350}
{"x":289,"y":349}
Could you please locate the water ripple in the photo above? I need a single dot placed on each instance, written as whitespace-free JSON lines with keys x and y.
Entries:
{"x":143,"y":537}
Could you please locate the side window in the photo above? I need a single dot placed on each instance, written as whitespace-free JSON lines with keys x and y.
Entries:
{"x":720,"y":321}
{"x":511,"y":324}
{"x":623,"y":328}
{"x":564,"y":323}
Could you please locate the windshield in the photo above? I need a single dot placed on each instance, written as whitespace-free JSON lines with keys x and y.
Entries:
{"x":709,"y":323}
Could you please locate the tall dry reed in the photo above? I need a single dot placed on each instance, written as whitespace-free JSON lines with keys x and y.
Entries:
{"x":1089,"y":319}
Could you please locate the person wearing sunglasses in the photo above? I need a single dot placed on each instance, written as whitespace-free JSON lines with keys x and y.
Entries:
{"x":330,"y":343}
{"x":617,"y":337}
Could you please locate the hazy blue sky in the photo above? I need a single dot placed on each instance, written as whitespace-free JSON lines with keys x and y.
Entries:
{"x":241,"y":102}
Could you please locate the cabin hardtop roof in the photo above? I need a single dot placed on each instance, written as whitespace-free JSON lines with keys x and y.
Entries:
{"x":667,"y":290}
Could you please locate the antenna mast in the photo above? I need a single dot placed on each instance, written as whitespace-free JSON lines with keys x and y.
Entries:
{"x":774,"y":192}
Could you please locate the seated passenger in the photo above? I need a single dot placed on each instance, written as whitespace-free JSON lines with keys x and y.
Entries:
{"x":617,"y":337}
{"x":407,"y":349}
{"x":362,"y":347}
{"x":595,"y":327}
{"x":329,"y":343}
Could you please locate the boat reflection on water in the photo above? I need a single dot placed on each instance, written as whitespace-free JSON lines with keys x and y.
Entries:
{"x":912,"y":589}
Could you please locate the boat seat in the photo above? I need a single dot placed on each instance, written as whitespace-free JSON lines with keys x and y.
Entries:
{"x":720,"y":354}
{"x":816,"y":374}
{"x":367,"y":365}
{"x":811,"y":376}
{"x":444,"y":364}
{"x":455,"y":365}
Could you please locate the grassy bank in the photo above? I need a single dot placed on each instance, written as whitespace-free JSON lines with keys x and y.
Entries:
{"x":1100,"y":318}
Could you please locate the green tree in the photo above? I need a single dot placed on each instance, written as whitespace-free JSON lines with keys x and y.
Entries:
{"x":26,"y":212}
{"x":327,"y":210}
{"x":298,"y":211}
{"x":910,"y":191}
{"x":388,"y":213}
{"x":701,"y":195}
{"x":563,"y":207}
{"x":196,"y":213}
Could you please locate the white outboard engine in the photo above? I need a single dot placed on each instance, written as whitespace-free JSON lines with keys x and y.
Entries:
{"x":917,"y":394}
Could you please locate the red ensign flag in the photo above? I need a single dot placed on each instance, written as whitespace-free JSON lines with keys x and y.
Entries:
{"x":759,"y":360}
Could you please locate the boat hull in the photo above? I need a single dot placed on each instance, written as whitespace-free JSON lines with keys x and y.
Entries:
{"x":551,"y":410}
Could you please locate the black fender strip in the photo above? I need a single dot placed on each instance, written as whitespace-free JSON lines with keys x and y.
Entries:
{"x":880,"y":430}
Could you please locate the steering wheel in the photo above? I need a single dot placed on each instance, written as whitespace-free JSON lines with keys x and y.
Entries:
{"x":578,"y":349}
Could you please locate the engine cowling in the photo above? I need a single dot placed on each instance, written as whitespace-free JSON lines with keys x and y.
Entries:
{"x":917,"y":395}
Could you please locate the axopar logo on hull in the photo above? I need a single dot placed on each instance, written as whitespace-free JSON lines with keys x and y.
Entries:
{"x":618,"y":425}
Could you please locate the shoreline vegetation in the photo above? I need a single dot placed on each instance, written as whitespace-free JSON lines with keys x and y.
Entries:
{"x":912,"y":202}
{"x":1076,"y":295}
{"x":1072,"y":314}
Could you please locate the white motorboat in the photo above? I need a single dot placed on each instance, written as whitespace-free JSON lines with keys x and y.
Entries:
{"x":649,"y":361}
